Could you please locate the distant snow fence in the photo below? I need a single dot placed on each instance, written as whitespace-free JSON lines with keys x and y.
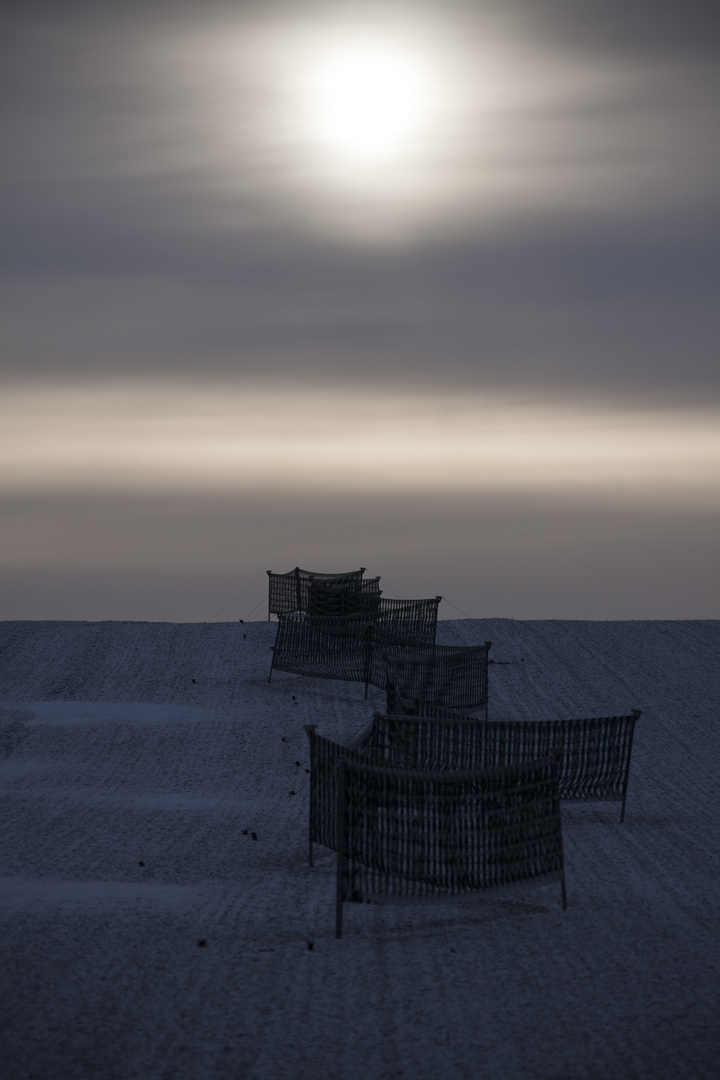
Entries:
{"x":395,"y":645}
{"x":339,"y":626}
{"x":441,"y":676}
{"x":391,"y":804}
{"x":306,"y":590}
{"x":354,"y":647}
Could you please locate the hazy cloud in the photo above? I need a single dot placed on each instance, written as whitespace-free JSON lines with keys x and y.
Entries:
{"x":176,"y":215}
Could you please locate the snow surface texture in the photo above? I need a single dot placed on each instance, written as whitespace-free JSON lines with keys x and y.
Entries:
{"x":158,"y":913}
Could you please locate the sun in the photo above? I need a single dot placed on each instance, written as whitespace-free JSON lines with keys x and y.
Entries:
{"x":369,"y":103}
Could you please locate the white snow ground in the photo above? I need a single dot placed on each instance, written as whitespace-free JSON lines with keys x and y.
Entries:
{"x":136,"y":761}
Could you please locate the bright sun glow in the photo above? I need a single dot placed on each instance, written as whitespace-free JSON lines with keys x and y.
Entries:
{"x":370,"y":102}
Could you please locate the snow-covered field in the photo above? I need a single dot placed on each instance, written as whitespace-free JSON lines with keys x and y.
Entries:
{"x":158,"y":919}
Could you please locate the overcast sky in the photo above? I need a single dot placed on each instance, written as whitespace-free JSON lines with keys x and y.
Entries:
{"x":426,"y":287}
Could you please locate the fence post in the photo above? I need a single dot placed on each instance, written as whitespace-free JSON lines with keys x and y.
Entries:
{"x":340,"y":838}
